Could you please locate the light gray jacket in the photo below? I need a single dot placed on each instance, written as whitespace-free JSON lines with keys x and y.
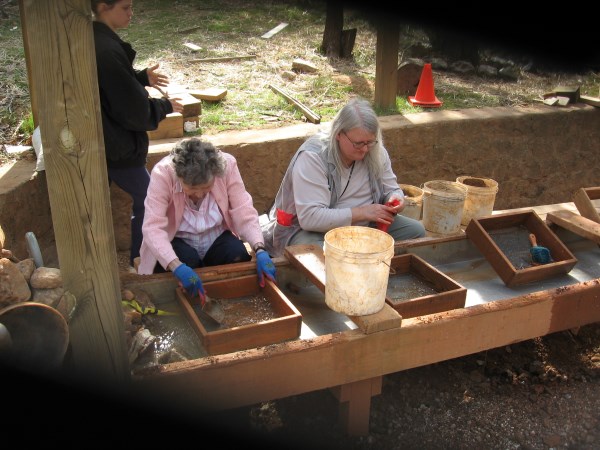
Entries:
{"x":277,"y":235}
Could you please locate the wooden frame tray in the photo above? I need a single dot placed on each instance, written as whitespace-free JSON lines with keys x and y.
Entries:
{"x":425,"y":289}
{"x":285,"y":323}
{"x":484,"y":232}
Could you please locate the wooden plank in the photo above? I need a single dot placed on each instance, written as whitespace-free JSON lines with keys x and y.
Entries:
{"x":579,"y":225}
{"x":64,"y":80}
{"x":310,"y":260}
{"x":583,"y":201}
{"x":209,"y":94}
{"x":192,"y":47}
{"x":593,"y":101}
{"x":222,"y":59}
{"x":274,"y":31}
{"x":263,"y":374}
{"x":310,"y":115}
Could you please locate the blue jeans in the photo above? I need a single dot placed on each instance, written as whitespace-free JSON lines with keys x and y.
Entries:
{"x":226,"y":249}
{"x":134,"y":181}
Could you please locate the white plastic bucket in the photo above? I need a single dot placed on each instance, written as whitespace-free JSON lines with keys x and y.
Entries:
{"x":357,"y":269}
{"x":413,"y":201}
{"x":443,"y":203}
{"x":481,"y":195}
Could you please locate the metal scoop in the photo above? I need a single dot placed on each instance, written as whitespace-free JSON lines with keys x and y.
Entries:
{"x":211,"y":310}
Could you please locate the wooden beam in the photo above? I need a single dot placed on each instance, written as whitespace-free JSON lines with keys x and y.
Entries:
{"x":274,"y":31}
{"x":221,"y":59}
{"x":386,"y":63}
{"x":262,"y":374}
{"x":579,"y":225}
{"x":310,"y":115}
{"x":64,"y":79}
{"x":583,"y":201}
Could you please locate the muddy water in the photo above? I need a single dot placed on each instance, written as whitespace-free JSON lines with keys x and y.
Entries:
{"x":175,"y":340}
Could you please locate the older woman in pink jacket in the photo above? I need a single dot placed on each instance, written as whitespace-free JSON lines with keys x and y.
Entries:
{"x":198,"y":213}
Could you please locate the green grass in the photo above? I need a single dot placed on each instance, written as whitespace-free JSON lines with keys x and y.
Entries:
{"x":230,"y":28}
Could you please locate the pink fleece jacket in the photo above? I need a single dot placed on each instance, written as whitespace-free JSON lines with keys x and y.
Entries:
{"x":164,"y":212}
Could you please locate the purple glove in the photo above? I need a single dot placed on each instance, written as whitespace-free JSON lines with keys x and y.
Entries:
{"x":190,"y":281}
{"x":264,"y":266}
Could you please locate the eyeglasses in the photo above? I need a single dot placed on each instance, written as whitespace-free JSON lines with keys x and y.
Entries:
{"x":361,"y":144}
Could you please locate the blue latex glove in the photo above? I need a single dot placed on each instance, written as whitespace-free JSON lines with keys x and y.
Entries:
{"x":190,"y":281}
{"x":264,"y":266}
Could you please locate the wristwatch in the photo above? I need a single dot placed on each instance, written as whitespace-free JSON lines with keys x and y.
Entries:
{"x":258,"y":247}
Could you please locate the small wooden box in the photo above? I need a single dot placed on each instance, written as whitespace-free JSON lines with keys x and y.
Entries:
{"x":170,"y":127}
{"x":191,"y":105}
{"x":216,"y":339}
{"x":424,"y":289}
{"x":503,"y":241}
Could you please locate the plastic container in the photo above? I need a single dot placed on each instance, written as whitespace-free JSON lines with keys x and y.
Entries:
{"x":357,"y":269}
{"x":481,"y":195}
{"x":414,"y":201}
{"x":443,"y":203}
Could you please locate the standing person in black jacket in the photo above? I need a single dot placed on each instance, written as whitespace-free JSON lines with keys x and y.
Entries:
{"x":128,"y":111}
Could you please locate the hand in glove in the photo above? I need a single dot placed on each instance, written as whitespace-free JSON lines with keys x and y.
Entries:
{"x":190,"y":281}
{"x":264,"y":266}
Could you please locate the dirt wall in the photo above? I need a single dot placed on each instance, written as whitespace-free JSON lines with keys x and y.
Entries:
{"x":538,"y":155}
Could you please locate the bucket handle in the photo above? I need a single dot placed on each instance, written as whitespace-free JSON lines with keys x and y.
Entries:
{"x":392,"y":270}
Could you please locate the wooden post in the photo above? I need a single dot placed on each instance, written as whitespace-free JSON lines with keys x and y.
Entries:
{"x":355,"y":404}
{"x":63,"y":78}
{"x":386,"y":63}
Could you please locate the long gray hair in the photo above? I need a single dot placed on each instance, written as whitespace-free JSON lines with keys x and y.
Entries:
{"x":197,"y":162}
{"x":357,"y":113}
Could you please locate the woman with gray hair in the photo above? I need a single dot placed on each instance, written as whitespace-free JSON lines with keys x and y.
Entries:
{"x":198,"y":213}
{"x":339,"y":177}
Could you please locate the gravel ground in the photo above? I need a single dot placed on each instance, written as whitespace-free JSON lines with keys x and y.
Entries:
{"x":538,"y":394}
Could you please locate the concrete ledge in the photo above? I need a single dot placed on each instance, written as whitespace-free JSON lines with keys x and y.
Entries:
{"x":538,"y":155}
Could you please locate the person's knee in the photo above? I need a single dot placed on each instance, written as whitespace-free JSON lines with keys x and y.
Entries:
{"x":404,"y":228}
{"x":308,"y":237}
{"x":418,"y":230}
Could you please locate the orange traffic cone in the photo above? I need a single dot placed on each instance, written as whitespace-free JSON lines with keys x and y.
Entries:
{"x":425,"y":95}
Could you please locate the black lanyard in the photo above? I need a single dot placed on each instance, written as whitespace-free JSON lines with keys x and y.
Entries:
{"x":349,"y":177}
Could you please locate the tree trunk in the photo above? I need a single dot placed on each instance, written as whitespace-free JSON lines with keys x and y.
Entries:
{"x":334,"y":23}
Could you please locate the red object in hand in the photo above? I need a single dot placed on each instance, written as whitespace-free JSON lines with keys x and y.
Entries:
{"x":385,"y":226}
{"x":284,"y":218}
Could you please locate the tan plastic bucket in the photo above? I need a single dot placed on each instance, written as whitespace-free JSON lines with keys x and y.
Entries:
{"x":443,"y":203}
{"x":414,"y":201}
{"x":481,"y":195}
{"x":357,"y":269}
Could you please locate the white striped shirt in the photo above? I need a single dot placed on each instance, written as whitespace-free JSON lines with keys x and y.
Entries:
{"x":202,"y":223}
